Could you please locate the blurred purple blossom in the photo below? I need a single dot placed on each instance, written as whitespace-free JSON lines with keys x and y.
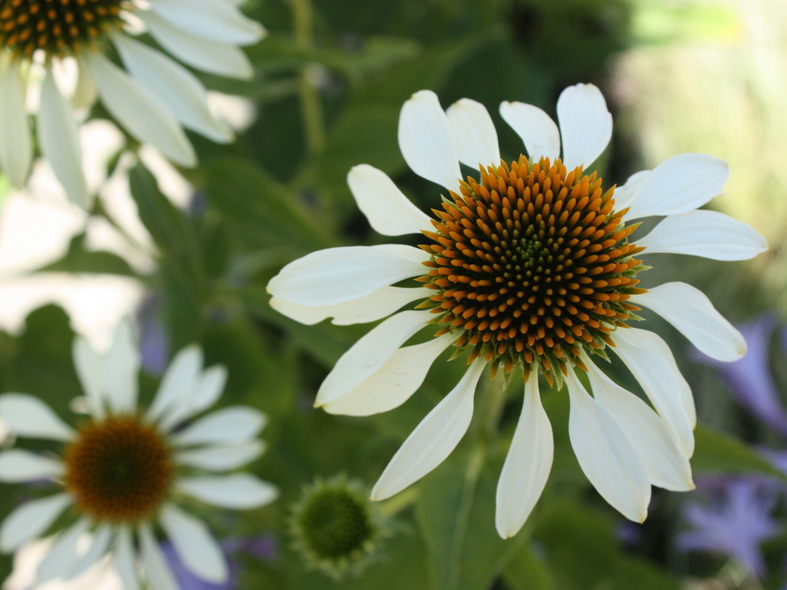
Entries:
{"x":153,"y":346}
{"x":735,"y":520}
{"x":750,"y":377}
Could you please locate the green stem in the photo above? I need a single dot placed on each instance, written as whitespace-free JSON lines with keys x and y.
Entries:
{"x":404,"y":499}
{"x":311,"y":107}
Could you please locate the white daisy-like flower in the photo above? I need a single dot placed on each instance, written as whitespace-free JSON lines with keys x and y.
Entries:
{"x":59,"y":50}
{"x":531,"y":265}
{"x":124,"y":470}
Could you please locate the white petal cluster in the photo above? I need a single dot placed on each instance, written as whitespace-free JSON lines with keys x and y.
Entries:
{"x":212,"y":444}
{"x":152,"y":96}
{"x":623,"y":445}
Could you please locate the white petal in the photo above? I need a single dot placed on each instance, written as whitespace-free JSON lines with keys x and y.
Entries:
{"x":207,"y":390}
{"x":213,"y":21}
{"x":338,"y":275}
{"x":704,"y":233}
{"x":394,"y":382}
{"x":25,"y":415}
{"x":679,"y":184}
{"x":178,"y":382}
{"x":239,"y":491}
{"x":624,"y":194}
{"x":527,"y":465}
{"x":88,"y":365}
{"x":18,"y":466}
{"x":123,"y":556}
{"x":474,"y":133}
{"x":433,"y":439}
{"x":693,"y":314}
{"x":223,"y":59}
{"x":222,"y":458}
{"x":63,"y":552}
{"x":585,"y":124}
{"x":182,"y":93}
{"x":58,"y":138}
{"x":606,"y":455}
{"x":228,"y":425}
{"x":389,"y":212}
{"x":195,"y":546}
{"x":537,"y":129}
{"x":98,"y":547}
{"x":427,"y":140}
{"x":654,"y":442}
{"x":16,"y":146}
{"x":644,"y":355}
{"x":140,"y":111}
{"x":31,"y":520}
{"x":368,"y":308}
{"x":157,"y":570}
{"x":120,"y":368}
{"x":85,"y":93}
{"x":370,"y":353}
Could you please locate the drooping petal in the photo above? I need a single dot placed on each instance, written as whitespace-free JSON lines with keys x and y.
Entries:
{"x":120,"y":368}
{"x":58,"y":137}
{"x":537,"y":129}
{"x":368,"y":308}
{"x":181,"y":91}
{"x":388,"y":210}
{"x":393,"y":383}
{"x":210,"y":20}
{"x":624,"y":194}
{"x":31,"y":520}
{"x":88,"y":365}
{"x":338,"y":275}
{"x":178,"y":382}
{"x":585,"y":124}
{"x":63,"y":553}
{"x":528,"y":462}
{"x":195,"y":546}
{"x":474,"y":133}
{"x":239,"y":491}
{"x":16,"y":146}
{"x":654,"y":442}
{"x":159,"y":574}
{"x":85,"y":92}
{"x":140,"y":111}
{"x":679,"y":184}
{"x":606,"y":455}
{"x":433,"y":439}
{"x":18,"y":466}
{"x":223,"y":59}
{"x":221,"y":458}
{"x":228,"y":425}
{"x":704,"y":233}
{"x":98,"y":548}
{"x":693,"y":314}
{"x":660,"y":378}
{"x":370,"y":353}
{"x":123,"y":557}
{"x":25,"y":415}
{"x":427,"y":140}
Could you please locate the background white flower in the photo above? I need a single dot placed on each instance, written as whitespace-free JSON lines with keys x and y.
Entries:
{"x":529,"y":266}
{"x":123,"y":471}
{"x":59,"y":57}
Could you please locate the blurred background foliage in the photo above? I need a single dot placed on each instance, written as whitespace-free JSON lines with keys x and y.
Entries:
{"x":679,"y":75}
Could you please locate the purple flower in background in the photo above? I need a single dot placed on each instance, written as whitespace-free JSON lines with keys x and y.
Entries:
{"x":260,"y":547}
{"x":751,"y":378}
{"x":153,"y":345}
{"x":734,"y":522}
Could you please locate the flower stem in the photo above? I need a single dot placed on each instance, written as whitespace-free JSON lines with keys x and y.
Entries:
{"x":311,"y":107}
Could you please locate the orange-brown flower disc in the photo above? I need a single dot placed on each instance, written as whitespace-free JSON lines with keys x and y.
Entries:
{"x":118,"y":470}
{"x":532,"y":263}
{"x":58,"y":27}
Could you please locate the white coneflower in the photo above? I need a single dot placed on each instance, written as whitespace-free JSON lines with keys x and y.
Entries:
{"x":41,"y":43}
{"x":530,"y":265}
{"x":124,"y":470}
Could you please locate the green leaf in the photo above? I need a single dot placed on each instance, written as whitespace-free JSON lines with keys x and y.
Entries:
{"x":721,"y":453}
{"x":80,"y":260}
{"x":525,"y":571}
